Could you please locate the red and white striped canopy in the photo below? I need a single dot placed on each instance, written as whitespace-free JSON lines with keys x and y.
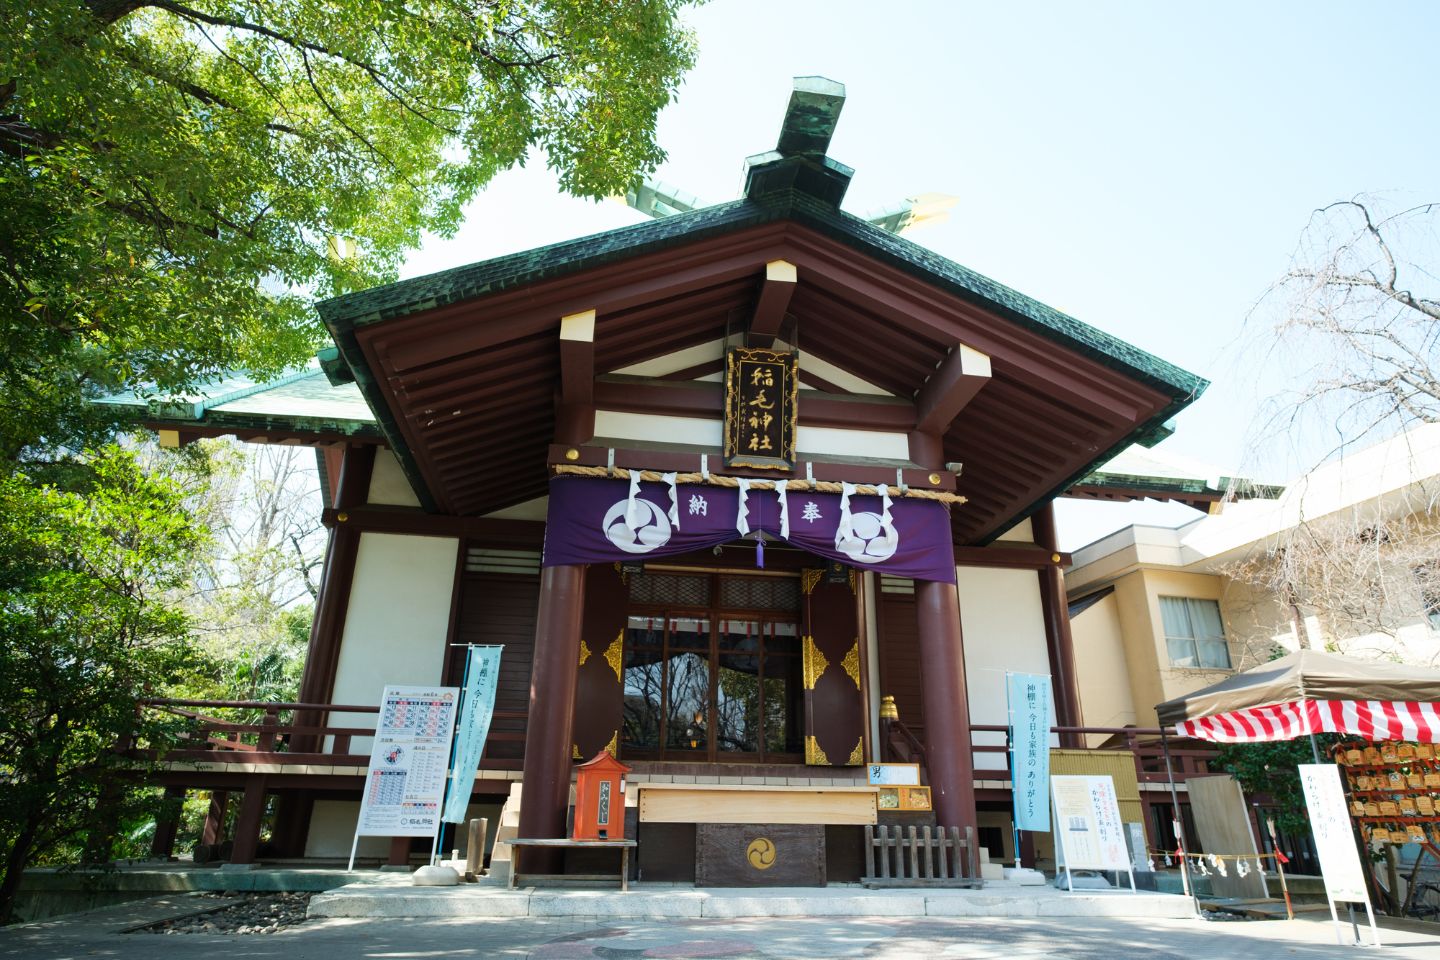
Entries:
{"x":1312,"y":692}
{"x":1371,"y":719}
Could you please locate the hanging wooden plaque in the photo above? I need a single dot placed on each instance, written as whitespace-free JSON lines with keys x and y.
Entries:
{"x":761,"y":398}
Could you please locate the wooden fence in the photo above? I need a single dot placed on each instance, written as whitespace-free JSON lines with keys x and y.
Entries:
{"x":920,"y":857}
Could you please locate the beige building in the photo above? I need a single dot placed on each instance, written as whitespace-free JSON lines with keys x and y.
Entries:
{"x":1341,"y":559}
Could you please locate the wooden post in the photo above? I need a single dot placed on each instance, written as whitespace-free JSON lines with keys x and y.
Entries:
{"x":545,"y":787}
{"x":167,"y":822}
{"x":214,"y":830}
{"x":318,"y":679}
{"x":1055,"y":608}
{"x":889,"y":713}
{"x":247,"y":825}
{"x":946,"y":706}
{"x":399,"y":852}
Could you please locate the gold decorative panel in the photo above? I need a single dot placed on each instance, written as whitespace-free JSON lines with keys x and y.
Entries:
{"x":584,"y":652}
{"x":814,"y":756}
{"x":808,"y":579}
{"x":813,"y":662}
{"x":857,"y":756}
{"x":615,"y":654}
{"x":851,"y":663}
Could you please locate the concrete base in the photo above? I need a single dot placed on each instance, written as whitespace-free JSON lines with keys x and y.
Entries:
{"x":1024,"y":876}
{"x":387,"y":897}
{"x":435,"y":876}
{"x":238,"y":867}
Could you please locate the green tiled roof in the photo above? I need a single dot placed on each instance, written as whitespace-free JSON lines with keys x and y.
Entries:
{"x":343,"y":314}
{"x":303,"y":401}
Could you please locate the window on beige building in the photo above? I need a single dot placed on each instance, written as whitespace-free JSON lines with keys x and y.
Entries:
{"x":1194,"y":633}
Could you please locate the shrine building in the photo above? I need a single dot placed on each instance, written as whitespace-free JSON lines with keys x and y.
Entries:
{"x":752,"y":494}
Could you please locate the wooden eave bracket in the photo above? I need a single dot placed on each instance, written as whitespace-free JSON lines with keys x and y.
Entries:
{"x":775,"y":294}
{"x":954,"y":384}
{"x":575,"y":418}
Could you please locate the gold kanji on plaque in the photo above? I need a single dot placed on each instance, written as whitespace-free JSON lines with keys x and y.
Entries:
{"x":761,"y":396}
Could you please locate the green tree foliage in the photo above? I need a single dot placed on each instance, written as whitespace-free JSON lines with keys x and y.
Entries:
{"x":1273,"y":769}
{"x":87,"y":630}
{"x":251,"y":593}
{"x":179,"y":179}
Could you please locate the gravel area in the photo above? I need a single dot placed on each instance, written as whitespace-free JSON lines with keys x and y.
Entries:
{"x":257,"y":913}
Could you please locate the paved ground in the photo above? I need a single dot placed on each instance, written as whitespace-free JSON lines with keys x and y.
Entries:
{"x":97,"y":935}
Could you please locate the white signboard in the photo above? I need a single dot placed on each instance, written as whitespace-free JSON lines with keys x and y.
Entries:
{"x":1334,"y":841}
{"x":408,"y":763}
{"x":1087,"y":824}
{"x":894,"y":774}
{"x":1330,"y":824}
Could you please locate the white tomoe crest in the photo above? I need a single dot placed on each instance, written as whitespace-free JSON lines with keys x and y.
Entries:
{"x":636,"y":526}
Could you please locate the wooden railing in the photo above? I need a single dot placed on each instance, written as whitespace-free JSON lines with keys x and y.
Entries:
{"x":285,"y":733}
{"x":899,"y":744}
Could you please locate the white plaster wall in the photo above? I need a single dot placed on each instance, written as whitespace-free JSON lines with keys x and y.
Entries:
{"x":1004,"y":629}
{"x":697,"y":431}
{"x":1022,"y":532}
{"x":388,"y":484}
{"x":332,"y":829}
{"x":397,"y":622}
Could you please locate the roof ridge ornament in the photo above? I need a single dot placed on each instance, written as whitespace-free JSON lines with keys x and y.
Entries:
{"x":799,"y":160}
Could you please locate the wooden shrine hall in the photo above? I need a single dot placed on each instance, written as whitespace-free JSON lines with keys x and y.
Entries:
{"x":751,"y":495}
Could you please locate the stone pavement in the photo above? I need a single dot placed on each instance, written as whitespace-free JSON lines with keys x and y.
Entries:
{"x":96,"y":935}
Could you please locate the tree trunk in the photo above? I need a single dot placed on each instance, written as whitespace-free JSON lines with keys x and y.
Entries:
{"x":15,"y":862}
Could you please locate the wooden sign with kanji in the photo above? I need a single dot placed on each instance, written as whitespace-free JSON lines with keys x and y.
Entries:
{"x":761,"y":397}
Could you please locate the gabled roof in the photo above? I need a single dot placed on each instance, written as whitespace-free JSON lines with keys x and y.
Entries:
{"x":461,"y":366}
{"x":422,"y":294}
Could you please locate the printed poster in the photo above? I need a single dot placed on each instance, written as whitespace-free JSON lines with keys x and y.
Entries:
{"x":405,"y":783}
{"x":1087,"y":823}
{"x":1029,"y":698}
{"x":482,"y":677}
{"x":1334,"y":840}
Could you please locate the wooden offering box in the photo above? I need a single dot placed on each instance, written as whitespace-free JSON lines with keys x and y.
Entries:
{"x":600,"y":799}
{"x":723,"y":803}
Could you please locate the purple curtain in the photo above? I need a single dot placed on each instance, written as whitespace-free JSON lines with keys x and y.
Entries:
{"x":597,"y":521}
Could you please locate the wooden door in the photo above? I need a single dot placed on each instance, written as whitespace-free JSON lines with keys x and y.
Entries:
{"x":598,"y":687}
{"x":830,"y":653}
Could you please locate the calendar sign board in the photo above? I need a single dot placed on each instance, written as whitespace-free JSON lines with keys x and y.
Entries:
{"x":405,"y":783}
{"x":1087,"y":824}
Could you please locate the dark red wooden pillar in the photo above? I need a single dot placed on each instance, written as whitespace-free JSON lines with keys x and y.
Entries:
{"x":247,"y":824}
{"x":946,"y":704}
{"x":1055,"y":608}
{"x":167,"y":822}
{"x":318,"y":679}
{"x":399,"y":852}
{"x":545,"y":789}
{"x":214,"y":830}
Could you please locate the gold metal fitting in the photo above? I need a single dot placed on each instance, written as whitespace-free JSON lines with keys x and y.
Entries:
{"x":1054,"y":558}
{"x":888,"y":710}
{"x":342,"y":517}
{"x":934,"y":478}
{"x":572,"y":454}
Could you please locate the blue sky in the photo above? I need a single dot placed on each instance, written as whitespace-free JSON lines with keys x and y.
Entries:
{"x":1145,"y":167}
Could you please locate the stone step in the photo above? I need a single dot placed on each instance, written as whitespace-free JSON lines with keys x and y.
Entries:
{"x":661,"y":901}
